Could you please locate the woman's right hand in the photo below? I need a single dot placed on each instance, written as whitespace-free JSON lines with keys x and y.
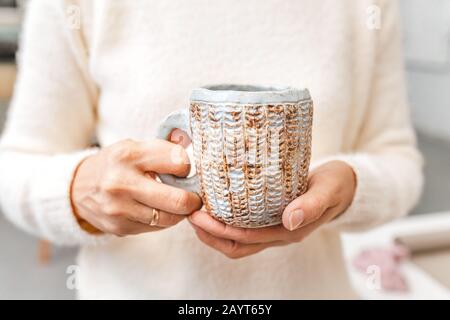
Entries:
{"x":115,"y":190}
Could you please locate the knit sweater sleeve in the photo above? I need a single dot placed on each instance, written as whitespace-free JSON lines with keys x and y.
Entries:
{"x":49,"y":126}
{"x":385,"y":159}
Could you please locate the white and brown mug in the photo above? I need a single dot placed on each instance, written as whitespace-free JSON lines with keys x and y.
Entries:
{"x":251,"y":146}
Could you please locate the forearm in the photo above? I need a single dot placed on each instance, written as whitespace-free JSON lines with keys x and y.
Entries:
{"x":34,"y":194}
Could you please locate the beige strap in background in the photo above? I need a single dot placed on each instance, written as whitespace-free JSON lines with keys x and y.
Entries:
{"x":428,"y":240}
{"x":435,"y":263}
{"x":430,"y":251}
{"x":7,"y":78}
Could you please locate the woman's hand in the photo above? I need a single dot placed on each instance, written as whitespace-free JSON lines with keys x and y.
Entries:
{"x":115,"y":190}
{"x":330,"y":192}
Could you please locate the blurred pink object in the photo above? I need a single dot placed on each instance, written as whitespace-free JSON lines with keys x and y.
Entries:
{"x":389,"y":261}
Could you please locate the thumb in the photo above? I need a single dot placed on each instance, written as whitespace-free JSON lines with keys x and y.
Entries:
{"x":308,"y":207}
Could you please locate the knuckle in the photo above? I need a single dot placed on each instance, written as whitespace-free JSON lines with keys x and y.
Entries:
{"x":170,"y":219}
{"x":125,"y":151}
{"x":182,"y":169}
{"x":112,"y":184}
{"x":174,"y":219}
{"x":112,"y":187}
{"x":182,"y":201}
{"x":336,"y":196}
{"x":184,"y":156}
{"x":233,"y":252}
{"x":112,"y":209}
{"x":242,"y":236}
{"x":179,"y":160}
{"x":318,"y":203}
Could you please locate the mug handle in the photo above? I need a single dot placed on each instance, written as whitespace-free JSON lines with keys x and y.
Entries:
{"x":177,"y":120}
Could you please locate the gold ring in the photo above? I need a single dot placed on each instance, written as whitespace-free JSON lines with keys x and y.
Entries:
{"x":155,"y":218}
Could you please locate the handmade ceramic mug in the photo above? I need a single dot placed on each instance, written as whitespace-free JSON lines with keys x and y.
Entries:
{"x":251,"y":147}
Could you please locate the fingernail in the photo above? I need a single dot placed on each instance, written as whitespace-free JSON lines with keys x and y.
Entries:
{"x":295,"y":219}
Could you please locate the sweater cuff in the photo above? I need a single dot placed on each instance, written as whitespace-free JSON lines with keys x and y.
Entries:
{"x":362,"y":213}
{"x":50,"y":198}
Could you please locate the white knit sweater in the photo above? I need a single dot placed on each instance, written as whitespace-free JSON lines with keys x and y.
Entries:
{"x":130,"y":63}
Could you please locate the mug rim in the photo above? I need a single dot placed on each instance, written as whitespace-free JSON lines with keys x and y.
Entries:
{"x":244,"y":94}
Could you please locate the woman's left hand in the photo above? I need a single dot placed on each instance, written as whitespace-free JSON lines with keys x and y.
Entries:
{"x":331,"y":188}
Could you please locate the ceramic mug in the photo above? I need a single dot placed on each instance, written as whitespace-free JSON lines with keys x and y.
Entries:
{"x":251,"y":146}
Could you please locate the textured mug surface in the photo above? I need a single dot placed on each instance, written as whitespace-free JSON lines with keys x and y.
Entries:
{"x":252,"y":148}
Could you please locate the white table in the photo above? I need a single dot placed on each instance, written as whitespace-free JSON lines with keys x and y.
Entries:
{"x":422,"y":286}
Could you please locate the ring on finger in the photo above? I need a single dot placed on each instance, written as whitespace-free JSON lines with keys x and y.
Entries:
{"x":155,"y":218}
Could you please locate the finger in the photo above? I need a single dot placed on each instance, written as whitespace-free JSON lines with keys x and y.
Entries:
{"x":230,"y":248}
{"x":301,"y":233}
{"x":121,"y":226}
{"x":162,"y":157}
{"x":310,"y":206}
{"x":143,"y":214}
{"x":160,"y":196}
{"x":218,"y":229}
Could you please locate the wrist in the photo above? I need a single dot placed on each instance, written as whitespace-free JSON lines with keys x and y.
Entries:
{"x":84,"y":224}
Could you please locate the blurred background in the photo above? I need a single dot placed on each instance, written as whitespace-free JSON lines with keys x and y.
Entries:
{"x":30,"y":268}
